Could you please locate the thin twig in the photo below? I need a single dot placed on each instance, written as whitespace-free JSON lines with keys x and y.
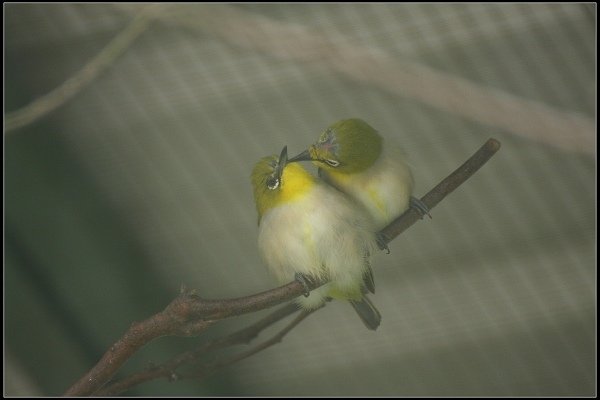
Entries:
{"x":167,"y":369}
{"x":186,"y":315}
{"x":210,"y":368}
{"x":49,"y":102}
{"x":444,"y":188}
{"x":189,"y":314}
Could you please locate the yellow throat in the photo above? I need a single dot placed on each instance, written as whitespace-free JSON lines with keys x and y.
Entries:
{"x":295,"y":183}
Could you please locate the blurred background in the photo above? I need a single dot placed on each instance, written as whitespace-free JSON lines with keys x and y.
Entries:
{"x":136,"y":181}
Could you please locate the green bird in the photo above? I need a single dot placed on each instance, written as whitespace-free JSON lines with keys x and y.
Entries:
{"x":307,"y":229}
{"x":354,"y":158}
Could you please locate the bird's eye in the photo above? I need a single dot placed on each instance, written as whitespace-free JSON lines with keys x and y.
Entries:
{"x":333,"y":163}
{"x":272,"y":183}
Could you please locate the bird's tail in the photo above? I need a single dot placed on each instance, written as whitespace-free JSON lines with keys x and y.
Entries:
{"x":367,"y":312}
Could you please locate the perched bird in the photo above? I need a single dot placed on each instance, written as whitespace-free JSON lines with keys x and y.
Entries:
{"x":353,"y":157}
{"x":308,"y":229}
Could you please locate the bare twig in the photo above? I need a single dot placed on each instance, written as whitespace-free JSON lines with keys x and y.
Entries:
{"x":189,"y":314}
{"x":68,"y":89}
{"x":216,"y":365}
{"x":444,"y":188}
{"x":167,"y":369}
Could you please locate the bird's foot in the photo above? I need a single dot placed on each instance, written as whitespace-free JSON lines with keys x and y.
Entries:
{"x":303,"y":279}
{"x":419,"y":207}
{"x":382,"y":241}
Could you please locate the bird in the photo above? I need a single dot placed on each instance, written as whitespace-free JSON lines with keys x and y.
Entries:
{"x":355,"y":159}
{"x":307,"y":229}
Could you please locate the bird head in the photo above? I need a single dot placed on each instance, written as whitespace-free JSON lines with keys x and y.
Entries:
{"x":276,"y":182}
{"x":348,"y":146}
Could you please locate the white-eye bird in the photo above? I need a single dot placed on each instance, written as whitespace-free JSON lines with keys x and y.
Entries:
{"x":353,"y":157}
{"x":309,"y":229}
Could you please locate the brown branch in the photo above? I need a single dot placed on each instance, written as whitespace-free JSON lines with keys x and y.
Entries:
{"x":214,"y":366}
{"x":443,"y":189}
{"x":189,"y":314}
{"x":167,"y":369}
{"x":49,"y":102}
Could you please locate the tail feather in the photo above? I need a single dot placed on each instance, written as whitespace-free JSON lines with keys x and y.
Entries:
{"x":368,"y":280}
{"x":367,"y":312}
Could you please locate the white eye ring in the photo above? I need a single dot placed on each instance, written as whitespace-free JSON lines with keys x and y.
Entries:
{"x":273,"y":183}
{"x":333,"y":163}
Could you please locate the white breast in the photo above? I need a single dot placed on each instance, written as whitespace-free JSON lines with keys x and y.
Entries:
{"x":323,"y":235}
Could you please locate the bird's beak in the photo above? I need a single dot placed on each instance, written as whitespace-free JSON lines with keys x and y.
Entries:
{"x":304,"y":156}
{"x":283,"y":160}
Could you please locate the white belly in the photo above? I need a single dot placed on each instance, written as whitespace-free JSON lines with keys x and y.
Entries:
{"x":323,"y":235}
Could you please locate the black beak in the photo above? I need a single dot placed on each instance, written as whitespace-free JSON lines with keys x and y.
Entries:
{"x":304,"y":156}
{"x":283,"y":160}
